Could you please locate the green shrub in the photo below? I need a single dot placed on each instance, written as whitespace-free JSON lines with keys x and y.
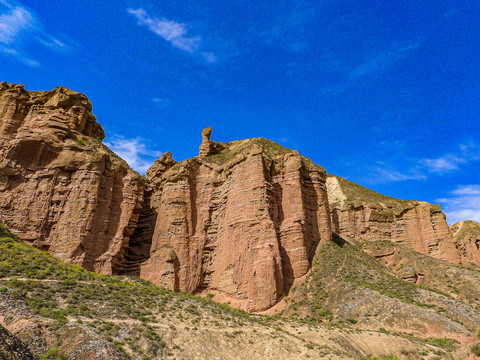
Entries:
{"x":475,"y":349}
{"x":53,"y":354}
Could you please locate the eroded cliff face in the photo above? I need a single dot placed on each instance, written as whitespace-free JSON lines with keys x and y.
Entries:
{"x":361,"y":214}
{"x":242,"y":222}
{"x":60,"y":187}
{"x":466,"y":235}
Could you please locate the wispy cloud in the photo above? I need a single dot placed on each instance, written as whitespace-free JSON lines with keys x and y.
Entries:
{"x":419,"y":169}
{"x":161,"y":102}
{"x":383,"y":175}
{"x":173,"y":32}
{"x":383,"y":60}
{"x":291,"y":27}
{"x":19,"y":24}
{"x":375,"y":64}
{"x":17,"y":19}
{"x":134,"y":152}
{"x":452,"y":161}
{"x":444,"y":164}
{"x":463,"y":203}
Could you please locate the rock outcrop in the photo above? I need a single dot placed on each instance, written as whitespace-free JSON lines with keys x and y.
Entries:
{"x":242,"y":224}
{"x":361,"y":214}
{"x":209,"y":147}
{"x":61,"y":189}
{"x":241,"y":221}
{"x":466,"y":235}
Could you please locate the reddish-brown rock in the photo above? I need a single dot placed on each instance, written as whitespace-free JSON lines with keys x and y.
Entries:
{"x":60,"y":187}
{"x":209,"y":147}
{"x":362,"y":214}
{"x":241,"y":221}
{"x":242,"y":224}
{"x":466,"y":235}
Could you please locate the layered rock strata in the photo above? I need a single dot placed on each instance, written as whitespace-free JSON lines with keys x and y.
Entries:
{"x":242,"y":224}
{"x":466,"y":235}
{"x":241,"y":221}
{"x":60,"y":188}
{"x":361,"y":214}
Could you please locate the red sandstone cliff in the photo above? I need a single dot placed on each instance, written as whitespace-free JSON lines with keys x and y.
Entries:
{"x":60,"y":187}
{"x":242,"y":220}
{"x":242,"y":223}
{"x":361,"y":214}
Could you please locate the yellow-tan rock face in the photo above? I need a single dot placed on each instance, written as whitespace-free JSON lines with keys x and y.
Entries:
{"x":242,"y":224}
{"x":60,"y":188}
{"x":359,"y":213}
{"x":466,"y":235}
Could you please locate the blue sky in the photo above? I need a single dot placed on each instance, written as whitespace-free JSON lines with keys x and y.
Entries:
{"x":386,"y":95}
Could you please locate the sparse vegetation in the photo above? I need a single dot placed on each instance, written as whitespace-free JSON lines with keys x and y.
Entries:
{"x":475,"y":348}
{"x":355,"y":192}
{"x":66,"y":293}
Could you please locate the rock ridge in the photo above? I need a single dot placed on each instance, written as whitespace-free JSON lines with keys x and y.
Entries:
{"x":242,"y":220}
{"x":361,"y":214}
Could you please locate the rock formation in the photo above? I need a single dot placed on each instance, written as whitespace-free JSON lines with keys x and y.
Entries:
{"x":242,"y":224}
{"x":60,"y":187}
{"x":241,"y":221}
{"x":209,"y":147}
{"x":466,"y":235}
{"x":361,"y":214}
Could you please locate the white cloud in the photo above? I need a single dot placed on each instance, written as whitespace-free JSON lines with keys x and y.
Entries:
{"x":52,"y":43}
{"x":452,"y":161}
{"x":444,"y":164}
{"x":173,"y":32}
{"x":383,"y":60}
{"x":386,"y":175}
{"x":19,"y":56}
{"x":419,"y":169}
{"x":209,"y":57}
{"x":375,"y":64}
{"x":134,"y":152}
{"x":13,"y":22}
{"x":18,"y":24}
{"x":161,"y":102}
{"x":463,"y":203}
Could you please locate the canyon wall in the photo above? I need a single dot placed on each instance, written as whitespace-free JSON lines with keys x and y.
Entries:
{"x":361,"y":214}
{"x":61,"y":189}
{"x":242,"y":223}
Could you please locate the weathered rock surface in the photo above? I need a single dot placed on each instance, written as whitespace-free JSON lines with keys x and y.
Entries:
{"x":242,"y":220}
{"x":242,"y":224}
{"x":466,"y":235}
{"x":60,"y":187}
{"x":361,"y":214}
{"x":209,"y":147}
